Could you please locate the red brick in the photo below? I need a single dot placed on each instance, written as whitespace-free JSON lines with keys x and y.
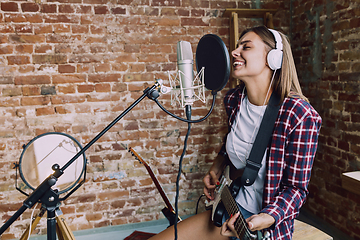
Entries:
{"x":9,"y":102}
{"x":69,"y":78}
{"x":43,"y":29}
{"x":26,"y":69}
{"x":6,"y":49}
{"x":27,"y":38}
{"x":138,"y":77}
{"x":32,"y":80}
{"x":31,"y":90}
{"x":9,"y":6}
{"x":105,"y":67}
{"x":45,"y":111}
{"x":118,"y":10}
{"x":83,"y":9}
{"x":25,"y":48}
{"x":93,"y":216}
{"x":11,"y":92}
{"x":98,"y":49}
{"x":41,"y":100}
{"x":66,"y":8}
{"x":63,"y":18}
{"x":105,"y":196}
{"x":43,"y":48}
{"x":102,"y":87}
{"x":48,"y":8}
{"x":67,"y":99}
{"x":118,"y":204}
{"x":49,"y":59}
{"x":66,"y":89}
{"x":61,"y":28}
{"x":23,"y":29}
{"x":66,"y":69}
{"x":30,"y":7}
{"x":85,"y":88}
{"x":7,"y":29}
{"x":101,"y":10}
{"x":104,"y":77}
{"x":79,"y":29}
{"x":165,"y":21}
{"x":18,"y":60}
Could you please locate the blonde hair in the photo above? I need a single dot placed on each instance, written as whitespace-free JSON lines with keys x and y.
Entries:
{"x":286,"y":82}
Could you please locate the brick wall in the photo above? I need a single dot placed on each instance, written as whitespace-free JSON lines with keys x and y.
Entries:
{"x":72,"y":66}
{"x":326,"y":47}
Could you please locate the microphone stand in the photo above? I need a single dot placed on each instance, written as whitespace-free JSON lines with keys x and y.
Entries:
{"x":50,"y":197}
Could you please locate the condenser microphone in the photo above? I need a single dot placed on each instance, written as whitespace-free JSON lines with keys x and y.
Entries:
{"x":185,"y":64}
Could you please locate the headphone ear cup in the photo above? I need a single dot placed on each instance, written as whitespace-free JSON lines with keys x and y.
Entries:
{"x":274,"y":59}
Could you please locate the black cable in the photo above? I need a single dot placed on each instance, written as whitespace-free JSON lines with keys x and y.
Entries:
{"x":198,"y":201}
{"x":178,"y":180}
{"x":188,"y":120}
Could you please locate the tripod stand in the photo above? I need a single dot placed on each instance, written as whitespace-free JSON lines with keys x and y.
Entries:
{"x":49,"y":197}
{"x":50,"y":203}
{"x":62,"y":229}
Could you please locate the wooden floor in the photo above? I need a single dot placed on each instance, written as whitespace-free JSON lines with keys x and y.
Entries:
{"x":304,"y":231}
{"x":307,"y":227}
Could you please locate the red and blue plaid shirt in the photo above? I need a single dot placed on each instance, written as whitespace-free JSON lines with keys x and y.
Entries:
{"x":290,"y":157}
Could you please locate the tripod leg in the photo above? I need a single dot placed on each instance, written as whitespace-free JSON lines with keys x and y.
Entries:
{"x":51,"y":224}
{"x":34,"y":223}
{"x":62,"y":229}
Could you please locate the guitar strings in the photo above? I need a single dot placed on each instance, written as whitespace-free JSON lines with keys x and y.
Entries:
{"x":232,"y":208}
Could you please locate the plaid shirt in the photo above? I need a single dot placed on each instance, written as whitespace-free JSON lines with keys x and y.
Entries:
{"x":289,"y":160}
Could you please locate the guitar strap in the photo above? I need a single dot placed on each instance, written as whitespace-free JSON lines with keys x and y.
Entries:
{"x":253,"y":163}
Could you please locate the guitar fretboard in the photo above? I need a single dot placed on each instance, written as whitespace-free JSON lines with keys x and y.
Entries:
{"x":232,"y":208}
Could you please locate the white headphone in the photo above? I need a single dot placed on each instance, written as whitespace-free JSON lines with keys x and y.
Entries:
{"x":275,"y":56}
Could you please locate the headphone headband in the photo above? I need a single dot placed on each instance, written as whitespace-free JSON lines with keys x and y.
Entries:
{"x":278,"y":39}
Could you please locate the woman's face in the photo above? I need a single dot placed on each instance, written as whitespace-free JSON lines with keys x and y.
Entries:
{"x":249,"y":58}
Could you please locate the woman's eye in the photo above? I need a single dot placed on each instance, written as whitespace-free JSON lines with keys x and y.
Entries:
{"x":245,"y":47}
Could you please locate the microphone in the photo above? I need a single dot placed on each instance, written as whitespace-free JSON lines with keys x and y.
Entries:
{"x":212,"y":62}
{"x":186,"y":73}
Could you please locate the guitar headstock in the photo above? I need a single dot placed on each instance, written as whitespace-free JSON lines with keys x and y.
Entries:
{"x":136,"y":155}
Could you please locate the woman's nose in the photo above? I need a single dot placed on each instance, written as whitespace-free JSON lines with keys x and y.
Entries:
{"x":235,"y":53}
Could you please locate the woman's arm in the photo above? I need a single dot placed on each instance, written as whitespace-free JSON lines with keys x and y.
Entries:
{"x":292,"y":175}
{"x":212,"y":177}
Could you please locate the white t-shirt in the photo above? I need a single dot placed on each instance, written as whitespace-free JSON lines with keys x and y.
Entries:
{"x":238,"y":147}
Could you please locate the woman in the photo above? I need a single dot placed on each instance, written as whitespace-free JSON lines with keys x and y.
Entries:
{"x":273,"y":201}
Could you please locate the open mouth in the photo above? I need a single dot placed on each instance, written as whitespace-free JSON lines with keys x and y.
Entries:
{"x":238,"y":63}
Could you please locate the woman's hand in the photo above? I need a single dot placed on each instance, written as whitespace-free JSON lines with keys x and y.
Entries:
{"x":260,"y":221}
{"x":255,"y":223}
{"x":210,"y":180}
{"x":228,"y":229}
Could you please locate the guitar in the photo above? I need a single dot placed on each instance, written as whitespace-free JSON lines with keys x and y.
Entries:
{"x":168,"y":211}
{"x":224,"y":201}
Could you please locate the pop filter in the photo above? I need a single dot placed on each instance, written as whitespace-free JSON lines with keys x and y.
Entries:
{"x":212,"y":54}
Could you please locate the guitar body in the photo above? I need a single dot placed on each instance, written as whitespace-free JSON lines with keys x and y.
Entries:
{"x":170,"y":215}
{"x":218,"y":214}
{"x":225,"y":202}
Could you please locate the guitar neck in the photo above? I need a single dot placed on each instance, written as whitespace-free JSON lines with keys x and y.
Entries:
{"x":160,"y":189}
{"x":232,"y":208}
{"x":155,"y":180}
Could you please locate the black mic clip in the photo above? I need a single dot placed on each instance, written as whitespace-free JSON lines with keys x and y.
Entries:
{"x":152,"y":94}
